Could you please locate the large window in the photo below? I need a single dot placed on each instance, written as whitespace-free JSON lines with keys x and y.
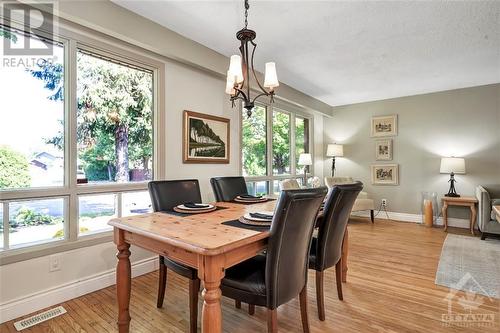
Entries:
{"x":272,"y":140}
{"x":67,"y":167}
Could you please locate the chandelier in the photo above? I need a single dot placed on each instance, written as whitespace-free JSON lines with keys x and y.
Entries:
{"x":240,"y":68}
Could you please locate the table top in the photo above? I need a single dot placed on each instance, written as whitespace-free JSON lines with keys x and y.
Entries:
{"x":460,"y":199}
{"x":200,"y":233}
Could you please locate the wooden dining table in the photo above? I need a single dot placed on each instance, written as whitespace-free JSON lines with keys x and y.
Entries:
{"x":200,"y":241}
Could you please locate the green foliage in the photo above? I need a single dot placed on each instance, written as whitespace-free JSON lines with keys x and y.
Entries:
{"x":281,"y":142}
{"x":29,"y":217}
{"x":254,"y":142}
{"x":7,"y":34}
{"x":60,"y":233}
{"x":14,"y":169}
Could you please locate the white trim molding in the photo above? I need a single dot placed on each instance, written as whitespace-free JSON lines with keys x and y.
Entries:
{"x":22,"y":306}
{"x":415,"y":218}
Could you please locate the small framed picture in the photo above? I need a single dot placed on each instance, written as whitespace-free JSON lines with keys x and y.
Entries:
{"x":383,"y":150}
{"x":205,"y":138}
{"x":384,"y":126}
{"x":385,"y":174}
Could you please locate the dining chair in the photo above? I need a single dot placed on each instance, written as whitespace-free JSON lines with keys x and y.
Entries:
{"x":280,"y":275}
{"x":326,"y":248}
{"x":165,"y":195}
{"x":290,"y":184}
{"x":228,"y":188}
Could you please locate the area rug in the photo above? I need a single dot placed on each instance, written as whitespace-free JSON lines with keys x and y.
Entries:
{"x":470,"y":264}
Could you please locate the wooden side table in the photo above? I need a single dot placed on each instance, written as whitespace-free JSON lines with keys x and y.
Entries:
{"x":496,"y":209}
{"x":460,"y":201}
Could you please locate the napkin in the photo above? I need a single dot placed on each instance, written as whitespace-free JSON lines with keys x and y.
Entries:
{"x":261,"y":216}
{"x":195,"y":205}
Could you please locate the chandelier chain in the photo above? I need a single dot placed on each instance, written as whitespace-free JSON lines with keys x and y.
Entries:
{"x":247,"y":6}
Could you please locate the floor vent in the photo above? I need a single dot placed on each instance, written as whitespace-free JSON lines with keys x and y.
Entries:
{"x":39,"y":318}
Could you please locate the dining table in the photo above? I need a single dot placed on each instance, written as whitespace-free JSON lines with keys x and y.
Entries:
{"x":209,"y":242}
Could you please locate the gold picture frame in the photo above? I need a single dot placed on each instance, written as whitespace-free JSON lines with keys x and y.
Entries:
{"x":384,"y":126}
{"x":206,"y":138}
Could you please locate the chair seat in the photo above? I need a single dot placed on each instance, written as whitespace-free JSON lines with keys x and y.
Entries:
{"x":247,"y":281}
{"x":181,"y":269}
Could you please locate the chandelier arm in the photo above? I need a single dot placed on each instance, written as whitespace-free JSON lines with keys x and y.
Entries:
{"x":241,"y":92}
{"x":253,"y":70}
{"x":260,"y":95}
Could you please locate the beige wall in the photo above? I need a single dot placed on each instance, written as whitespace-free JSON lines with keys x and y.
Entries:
{"x":463,"y":122}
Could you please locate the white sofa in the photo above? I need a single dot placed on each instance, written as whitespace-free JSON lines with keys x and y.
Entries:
{"x":363,"y":201}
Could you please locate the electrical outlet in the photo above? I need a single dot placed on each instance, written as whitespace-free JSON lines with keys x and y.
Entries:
{"x":384,"y":203}
{"x":55,"y":263}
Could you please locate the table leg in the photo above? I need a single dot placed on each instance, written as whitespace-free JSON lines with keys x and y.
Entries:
{"x":345,"y":253}
{"x":472,"y":218}
{"x":445,"y":216}
{"x":123,"y":281}
{"x":211,"y":273}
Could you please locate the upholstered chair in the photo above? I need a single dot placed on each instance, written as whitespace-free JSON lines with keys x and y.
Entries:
{"x":289,"y":184}
{"x":488,"y":195}
{"x":165,"y":195}
{"x":363,"y":201}
{"x":228,"y":188}
{"x":326,"y":249}
{"x":280,"y":275}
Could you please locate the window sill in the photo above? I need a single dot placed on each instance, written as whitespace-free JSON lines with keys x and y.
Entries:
{"x":27,"y":253}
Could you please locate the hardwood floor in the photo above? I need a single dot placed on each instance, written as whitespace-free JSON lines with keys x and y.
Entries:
{"x":390,"y":288}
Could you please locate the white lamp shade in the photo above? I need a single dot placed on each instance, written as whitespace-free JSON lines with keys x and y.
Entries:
{"x":235,"y":69}
{"x":271,"y":78}
{"x":230,"y":84}
{"x":335,"y":150}
{"x":305,"y":159}
{"x":452,"y":164}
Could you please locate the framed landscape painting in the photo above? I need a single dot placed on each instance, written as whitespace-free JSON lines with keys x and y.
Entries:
{"x":205,"y":138}
{"x":384,"y":125}
{"x":385,"y":174}
{"x":383,"y":150}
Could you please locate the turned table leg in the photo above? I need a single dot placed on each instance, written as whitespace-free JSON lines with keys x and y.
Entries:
{"x":345,"y":253}
{"x":123,"y":281}
{"x":211,"y":273}
{"x":472,"y":218}
{"x":445,"y":216}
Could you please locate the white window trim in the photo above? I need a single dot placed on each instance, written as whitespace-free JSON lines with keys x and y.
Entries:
{"x":75,"y":37}
{"x":270,"y":177}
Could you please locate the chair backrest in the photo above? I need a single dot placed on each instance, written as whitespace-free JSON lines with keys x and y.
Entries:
{"x":166,"y":194}
{"x":332,"y":181}
{"x":290,"y":184}
{"x":228,"y":188}
{"x":336,"y":214}
{"x":289,"y":243}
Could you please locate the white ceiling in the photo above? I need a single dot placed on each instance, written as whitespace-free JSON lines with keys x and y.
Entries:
{"x":350,"y":52}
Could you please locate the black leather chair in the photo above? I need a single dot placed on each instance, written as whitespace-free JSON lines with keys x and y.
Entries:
{"x":275,"y":278}
{"x":165,"y":195}
{"x":228,"y":188}
{"x":326,"y":249}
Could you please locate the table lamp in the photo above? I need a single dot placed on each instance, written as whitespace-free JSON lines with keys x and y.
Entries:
{"x":334,"y":150}
{"x":305,"y":160}
{"x":452,"y":165}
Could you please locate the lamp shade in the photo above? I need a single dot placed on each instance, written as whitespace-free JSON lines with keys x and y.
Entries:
{"x":271,"y":78}
{"x":335,"y":150}
{"x":235,"y":70}
{"x":452,"y":164}
{"x":305,"y":159}
{"x":230,"y":84}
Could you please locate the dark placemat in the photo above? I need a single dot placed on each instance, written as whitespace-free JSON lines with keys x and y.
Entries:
{"x":173,"y":212}
{"x":253,"y":203}
{"x":238,"y":224}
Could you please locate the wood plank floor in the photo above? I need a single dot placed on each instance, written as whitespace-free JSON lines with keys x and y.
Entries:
{"x":390,"y":288}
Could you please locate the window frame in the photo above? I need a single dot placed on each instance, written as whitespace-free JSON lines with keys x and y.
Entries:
{"x":294,"y":113}
{"x":74,"y":37}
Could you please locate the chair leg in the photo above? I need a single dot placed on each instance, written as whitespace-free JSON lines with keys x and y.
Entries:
{"x":338,"y":279}
{"x":372,"y":216}
{"x":303,"y":309}
{"x":251,"y":309}
{"x":237,"y":304}
{"x":162,"y":283}
{"x":272,"y":321}
{"x":194,"y":289}
{"x":320,"y":295}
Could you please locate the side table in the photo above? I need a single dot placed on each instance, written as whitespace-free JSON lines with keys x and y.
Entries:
{"x":460,"y":201}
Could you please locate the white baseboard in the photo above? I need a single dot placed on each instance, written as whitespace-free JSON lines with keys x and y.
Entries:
{"x":415,"y":218}
{"x":34,"y":302}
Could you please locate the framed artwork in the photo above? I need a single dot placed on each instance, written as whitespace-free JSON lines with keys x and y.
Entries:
{"x":205,"y":138}
{"x":384,"y":125}
{"x":383,"y":150}
{"x":385,"y":174}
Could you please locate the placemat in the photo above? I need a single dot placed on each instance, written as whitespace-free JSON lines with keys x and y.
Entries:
{"x":172,"y":212}
{"x":253,"y":203}
{"x":238,"y":224}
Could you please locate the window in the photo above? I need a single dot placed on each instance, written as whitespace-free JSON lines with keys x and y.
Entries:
{"x":279,"y":134}
{"x":67,"y":168}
